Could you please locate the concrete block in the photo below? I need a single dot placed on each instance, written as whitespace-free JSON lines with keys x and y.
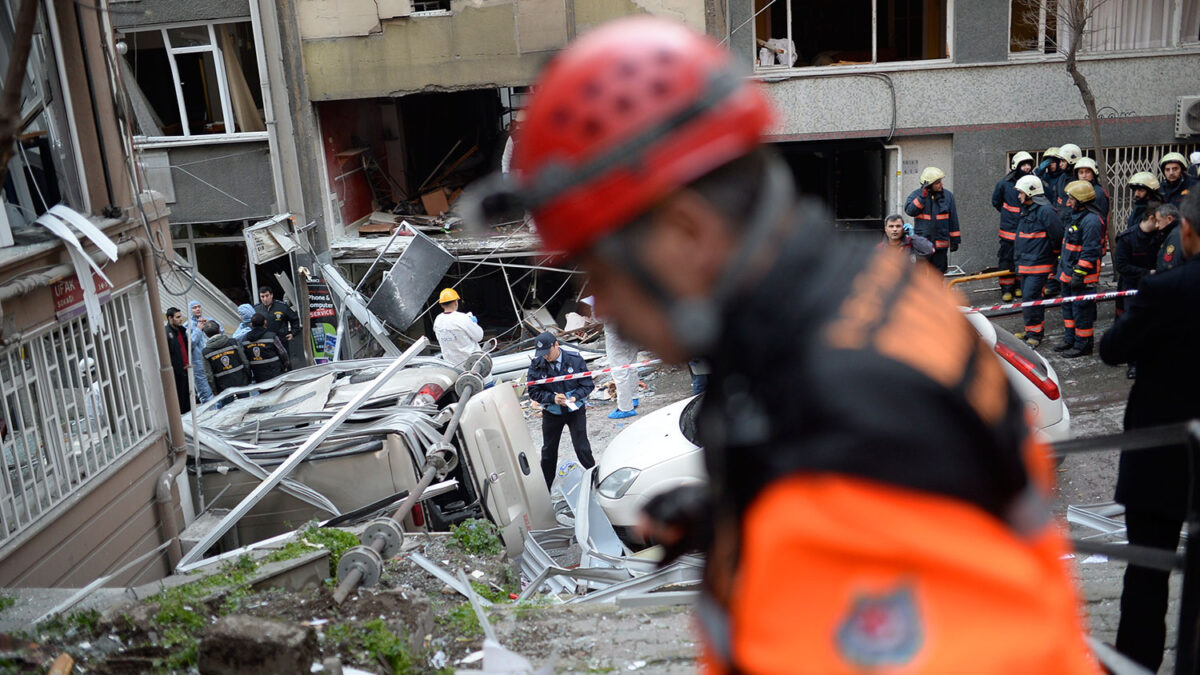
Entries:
{"x":250,"y":645}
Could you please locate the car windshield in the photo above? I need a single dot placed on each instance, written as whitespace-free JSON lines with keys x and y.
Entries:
{"x":687,"y":419}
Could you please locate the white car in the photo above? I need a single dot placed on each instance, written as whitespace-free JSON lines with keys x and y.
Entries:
{"x":659,"y":452}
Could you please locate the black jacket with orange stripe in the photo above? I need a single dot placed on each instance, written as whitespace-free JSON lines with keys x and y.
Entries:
{"x":1039,"y":236}
{"x":1082,"y":248}
{"x":1006,"y":201}
{"x":935,"y":217}
{"x":887,"y":405}
{"x":845,"y":364}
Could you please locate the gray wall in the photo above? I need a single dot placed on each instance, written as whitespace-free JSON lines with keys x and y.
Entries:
{"x":980,"y":31}
{"x":135,"y":13}
{"x":203,"y":173}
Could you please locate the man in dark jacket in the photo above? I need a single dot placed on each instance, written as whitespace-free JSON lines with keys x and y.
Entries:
{"x":563,"y":402}
{"x":1034,"y":252}
{"x":935,"y":215}
{"x":177,"y":345}
{"x":1154,"y":484}
{"x":1134,"y":258}
{"x":281,"y":318}
{"x":267,"y":356}
{"x":1008,"y":204}
{"x":225,"y":363}
{"x":1170,"y":244}
{"x":1176,"y":182}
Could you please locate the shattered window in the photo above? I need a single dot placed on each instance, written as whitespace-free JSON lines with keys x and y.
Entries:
{"x":431,"y":6}
{"x":798,"y":34}
{"x":194,"y":80}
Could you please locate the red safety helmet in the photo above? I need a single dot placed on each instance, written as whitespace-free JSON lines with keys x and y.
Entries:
{"x":623,"y":116}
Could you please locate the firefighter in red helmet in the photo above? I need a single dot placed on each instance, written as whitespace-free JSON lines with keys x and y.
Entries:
{"x":837,"y":539}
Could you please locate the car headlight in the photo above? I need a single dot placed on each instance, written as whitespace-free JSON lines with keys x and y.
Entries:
{"x":617,"y":483}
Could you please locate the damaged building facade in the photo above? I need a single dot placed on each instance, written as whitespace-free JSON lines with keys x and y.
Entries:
{"x":92,"y":482}
{"x":876,"y":90}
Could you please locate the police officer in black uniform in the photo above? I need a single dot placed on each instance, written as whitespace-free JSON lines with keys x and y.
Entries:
{"x":225,"y":363}
{"x":265,"y":351}
{"x":281,"y":318}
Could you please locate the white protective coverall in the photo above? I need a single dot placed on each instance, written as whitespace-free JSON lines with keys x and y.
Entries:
{"x":458,"y":336}
{"x":621,"y":353}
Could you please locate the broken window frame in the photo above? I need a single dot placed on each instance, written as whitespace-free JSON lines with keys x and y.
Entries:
{"x":45,"y":109}
{"x":226,"y":100}
{"x":875,"y":63}
{"x":1056,"y":46}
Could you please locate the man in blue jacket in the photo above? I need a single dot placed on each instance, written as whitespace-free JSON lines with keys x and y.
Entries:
{"x":563,"y":402}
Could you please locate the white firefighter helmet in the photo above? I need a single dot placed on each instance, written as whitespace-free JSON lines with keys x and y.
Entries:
{"x":1087,"y":163}
{"x":1173,"y":157}
{"x":1030,"y":185}
{"x":931,"y":175}
{"x":1143,"y":179}
{"x":1070,"y":152}
{"x":1020,"y":158}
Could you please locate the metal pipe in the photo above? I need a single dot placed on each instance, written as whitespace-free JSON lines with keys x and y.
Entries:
{"x":166,"y":515}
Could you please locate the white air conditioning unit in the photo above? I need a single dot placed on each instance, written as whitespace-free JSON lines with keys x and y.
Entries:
{"x":1187,"y":116}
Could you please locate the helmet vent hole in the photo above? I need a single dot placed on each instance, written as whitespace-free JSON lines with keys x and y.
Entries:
{"x":592,"y":90}
{"x":627,"y":69}
{"x":561,"y":117}
{"x":660,"y":88}
{"x":592,"y":127}
{"x":623,"y":104}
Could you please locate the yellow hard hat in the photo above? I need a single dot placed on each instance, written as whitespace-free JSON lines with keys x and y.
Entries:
{"x":447,"y":295}
{"x":1087,"y":163}
{"x":1070,"y":152}
{"x":1081,"y":190}
{"x":1173,"y":157}
{"x":1143,"y":179}
{"x":932,"y":175}
{"x":1021,"y":157}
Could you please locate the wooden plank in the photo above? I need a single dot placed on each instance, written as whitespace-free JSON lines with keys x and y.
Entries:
{"x":435,"y":202}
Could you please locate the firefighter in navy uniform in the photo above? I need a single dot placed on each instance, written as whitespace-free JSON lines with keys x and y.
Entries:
{"x":225,"y":363}
{"x":834,"y":534}
{"x":1086,"y":170}
{"x":935,"y":216}
{"x":1176,"y":182}
{"x":1008,"y":204}
{"x":1034,"y":252}
{"x":265,"y":351}
{"x":1079,"y":269}
{"x":1144,"y":187}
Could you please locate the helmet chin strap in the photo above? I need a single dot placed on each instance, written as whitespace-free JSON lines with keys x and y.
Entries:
{"x":696,"y":322}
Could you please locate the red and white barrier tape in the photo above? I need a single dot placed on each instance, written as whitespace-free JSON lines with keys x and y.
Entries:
{"x":1054,"y":301}
{"x":576,"y":376}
